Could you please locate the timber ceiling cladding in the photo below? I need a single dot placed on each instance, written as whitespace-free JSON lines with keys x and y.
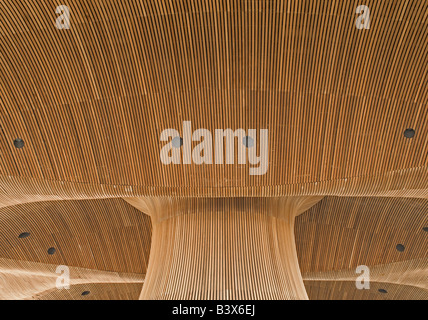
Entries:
{"x":89,"y":104}
{"x":107,"y":241}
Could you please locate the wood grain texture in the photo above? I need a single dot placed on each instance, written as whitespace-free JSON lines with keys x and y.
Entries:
{"x":332,"y":238}
{"x":338,"y":234}
{"x":104,"y":234}
{"x":346,"y":290}
{"x":98,"y":291}
{"x":411,"y":273}
{"x":35,"y":280}
{"x":224,"y":248}
{"x":341,"y":233}
{"x":90,"y":103}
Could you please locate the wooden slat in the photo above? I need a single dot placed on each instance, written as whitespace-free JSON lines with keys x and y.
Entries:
{"x":90,"y":103}
{"x":35,"y":280}
{"x":105,"y":234}
{"x":346,"y":290}
{"x":341,"y":233}
{"x":224,"y":248}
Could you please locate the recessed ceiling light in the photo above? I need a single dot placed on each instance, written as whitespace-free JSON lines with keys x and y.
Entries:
{"x":248,"y":142}
{"x":400,"y":247}
{"x":409,"y":133}
{"x":24,"y":235}
{"x":177,"y":142}
{"x":382,"y":291}
{"x":51,"y":251}
{"x":425,"y":229}
{"x":85,"y":293}
{"x":18,"y":143}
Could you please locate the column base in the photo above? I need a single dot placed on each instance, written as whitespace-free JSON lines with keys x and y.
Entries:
{"x":224,"y":248}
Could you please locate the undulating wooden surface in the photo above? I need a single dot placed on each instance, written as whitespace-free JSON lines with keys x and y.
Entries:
{"x":407,"y":273}
{"x":98,"y":291}
{"x":104,"y":243}
{"x":346,"y":290}
{"x":104,"y":234}
{"x":332,"y":238}
{"x":35,"y":280}
{"x":342,"y":233}
{"x":224,"y":248}
{"x":90,"y":104}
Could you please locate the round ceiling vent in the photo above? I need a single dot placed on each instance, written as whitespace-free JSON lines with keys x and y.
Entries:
{"x":409,"y":133}
{"x":51,"y":251}
{"x":177,"y":142}
{"x":18,"y":143}
{"x":85,"y":293}
{"x":425,"y":229}
{"x":24,"y":235}
{"x":382,"y":291}
{"x":400,"y":247}
{"x":248,"y":142}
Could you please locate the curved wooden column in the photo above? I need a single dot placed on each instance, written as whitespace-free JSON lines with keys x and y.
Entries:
{"x":223,"y":248}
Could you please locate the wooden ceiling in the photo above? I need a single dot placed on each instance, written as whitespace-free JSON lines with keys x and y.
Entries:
{"x":341,"y":233}
{"x":106,"y":235}
{"x":90,"y":104}
{"x":108,"y":241}
{"x":338,"y":290}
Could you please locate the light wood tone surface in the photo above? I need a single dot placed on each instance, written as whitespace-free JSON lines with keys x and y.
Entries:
{"x":332,"y":238}
{"x":99,"y":291}
{"x":104,"y":234}
{"x":90,"y":103}
{"x":407,"y":273}
{"x":346,"y":290}
{"x":342,"y":233}
{"x":224,"y":248}
{"x":34,"y":280}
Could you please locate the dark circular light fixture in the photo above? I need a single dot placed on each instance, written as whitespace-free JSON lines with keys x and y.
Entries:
{"x":177,"y":142}
{"x":24,"y":235}
{"x":425,"y":229}
{"x":400,"y":247}
{"x":382,"y":291}
{"x":248,"y":141}
{"x":51,"y":251}
{"x":85,"y":293}
{"x":409,"y":133}
{"x":18,"y":143}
